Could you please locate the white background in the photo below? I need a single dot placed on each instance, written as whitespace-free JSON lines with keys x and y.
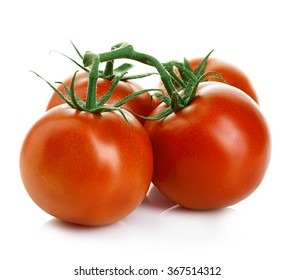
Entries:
{"x":250,"y":240}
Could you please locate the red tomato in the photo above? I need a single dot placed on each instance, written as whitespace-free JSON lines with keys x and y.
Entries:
{"x":141,"y":105}
{"x":214,"y":152}
{"x":232,"y":74}
{"x":88,"y":169}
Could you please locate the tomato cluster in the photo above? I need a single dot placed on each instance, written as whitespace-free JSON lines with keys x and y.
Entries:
{"x":204,"y":143}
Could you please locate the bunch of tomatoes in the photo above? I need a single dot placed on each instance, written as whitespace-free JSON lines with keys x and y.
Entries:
{"x":199,"y":137}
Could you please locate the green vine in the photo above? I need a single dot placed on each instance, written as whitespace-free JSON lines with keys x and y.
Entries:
{"x":180,"y":88}
{"x":188,"y":82}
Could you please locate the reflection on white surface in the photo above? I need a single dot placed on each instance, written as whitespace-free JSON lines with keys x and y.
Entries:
{"x":157,"y":217}
{"x":78,"y":230}
{"x":207,"y":227}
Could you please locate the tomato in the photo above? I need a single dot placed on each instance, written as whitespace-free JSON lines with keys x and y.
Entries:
{"x":212,"y":153}
{"x":232,"y":74}
{"x":141,"y":105}
{"x":88,"y":169}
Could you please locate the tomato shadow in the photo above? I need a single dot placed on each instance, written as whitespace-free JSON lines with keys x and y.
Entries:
{"x":156,"y":200}
{"x":213,"y":215}
{"x":207,"y":226}
{"x":55,"y":225}
{"x":63,"y":225}
{"x":157,"y":216}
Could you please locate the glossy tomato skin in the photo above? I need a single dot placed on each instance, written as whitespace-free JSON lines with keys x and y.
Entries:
{"x":86,"y":169}
{"x":233,"y":75}
{"x":213,"y":153}
{"x":141,"y":105}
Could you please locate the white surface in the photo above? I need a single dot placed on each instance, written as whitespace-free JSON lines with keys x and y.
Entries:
{"x":250,"y":240}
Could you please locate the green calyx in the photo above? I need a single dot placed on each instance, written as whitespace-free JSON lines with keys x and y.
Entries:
{"x":187,"y":83}
{"x":92,"y":105}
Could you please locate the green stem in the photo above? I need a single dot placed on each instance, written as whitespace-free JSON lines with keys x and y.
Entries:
{"x":125,"y":50}
{"x":165,"y":76}
{"x":108,"y":71}
{"x":93,"y":77}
